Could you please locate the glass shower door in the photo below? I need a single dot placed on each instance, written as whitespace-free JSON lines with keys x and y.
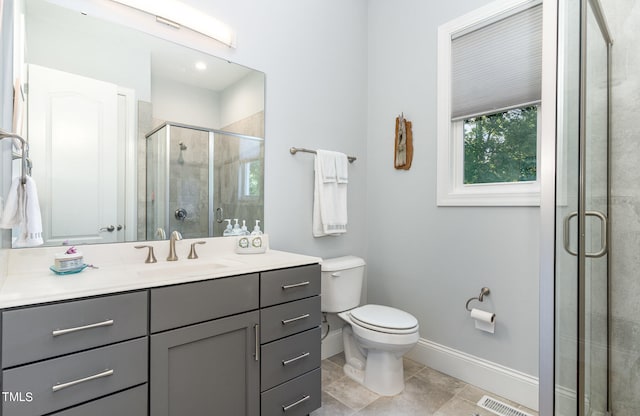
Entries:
{"x":582,"y":212}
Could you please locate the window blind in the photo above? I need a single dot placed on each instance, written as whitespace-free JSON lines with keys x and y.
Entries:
{"x":497,"y":66}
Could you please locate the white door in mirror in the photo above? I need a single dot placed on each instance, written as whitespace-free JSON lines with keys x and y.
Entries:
{"x":73,"y":133}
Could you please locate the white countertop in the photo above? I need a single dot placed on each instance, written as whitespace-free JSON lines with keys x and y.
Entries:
{"x":28,"y":280}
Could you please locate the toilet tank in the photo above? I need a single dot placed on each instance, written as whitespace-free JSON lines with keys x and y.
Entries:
{"x":341,"y":283}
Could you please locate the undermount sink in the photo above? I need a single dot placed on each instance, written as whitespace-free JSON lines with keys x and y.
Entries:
{"x":177,"y":269}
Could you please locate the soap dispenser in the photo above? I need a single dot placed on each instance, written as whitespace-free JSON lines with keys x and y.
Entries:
{"x":244,"y":228}
{"x":228,"y":230}
{"x":256,"y":229}
{"x":236,"y":228}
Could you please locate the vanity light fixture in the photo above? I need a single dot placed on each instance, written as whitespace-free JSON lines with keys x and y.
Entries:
{"x":176,"y":14}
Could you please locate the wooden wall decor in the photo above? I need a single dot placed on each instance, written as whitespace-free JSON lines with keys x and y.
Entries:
{"x":403,"y":154}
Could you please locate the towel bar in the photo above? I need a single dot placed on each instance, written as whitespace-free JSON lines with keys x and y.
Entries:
{"x":295,"y":150}
{"x":26,"y":162}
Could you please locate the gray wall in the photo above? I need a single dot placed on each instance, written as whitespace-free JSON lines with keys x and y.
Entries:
{"x":624,"y":20}
{"x":314,"y":56}
{"x":426,"y":259}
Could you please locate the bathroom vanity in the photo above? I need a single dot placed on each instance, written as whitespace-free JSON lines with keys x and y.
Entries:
{"x":224,"y":334}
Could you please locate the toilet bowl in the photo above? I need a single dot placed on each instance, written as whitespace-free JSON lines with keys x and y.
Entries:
{"x":373,"y":352}
{"x":376,"y":337}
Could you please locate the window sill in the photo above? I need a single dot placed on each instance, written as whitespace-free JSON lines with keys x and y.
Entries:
{"x":477,"y":196}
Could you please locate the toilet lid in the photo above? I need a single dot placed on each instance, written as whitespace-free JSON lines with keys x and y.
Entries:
{"x":384,"y":318}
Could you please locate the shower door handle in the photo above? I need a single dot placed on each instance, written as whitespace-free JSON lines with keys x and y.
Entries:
{"x":565,"y":237}
{"x":603,"y":233}
{"x":219,"y":215}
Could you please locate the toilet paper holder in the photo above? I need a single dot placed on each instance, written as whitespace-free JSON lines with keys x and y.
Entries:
{"x":483,"y":292}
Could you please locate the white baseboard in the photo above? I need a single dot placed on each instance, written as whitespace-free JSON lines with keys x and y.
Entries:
{"x":332,"y":344}
{"x":503,"y":381}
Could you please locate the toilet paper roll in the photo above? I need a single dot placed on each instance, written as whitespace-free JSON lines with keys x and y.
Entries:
{"x":485,"y":321}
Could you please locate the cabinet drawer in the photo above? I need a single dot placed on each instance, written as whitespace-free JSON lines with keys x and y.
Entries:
{"x":297,"y":397}
{"x":289,"y":357}
{"x":77,"y":378}
{"x":132,"y":402}
{"x":279,"y":286}
{"x":289,"y":318}
{"x":190,"y":303}
{"x":29,"y":334}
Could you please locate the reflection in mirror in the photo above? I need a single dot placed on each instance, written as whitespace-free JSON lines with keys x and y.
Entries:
{"x":130,"y":133}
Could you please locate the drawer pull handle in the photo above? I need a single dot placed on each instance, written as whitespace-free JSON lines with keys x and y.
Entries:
{"x":61,"y":386}
{"x":256,"y":354}
{"x":294,"y":404}
{"x":58,"y":332}
{"x":285,"y":287}
{"x":294,"y":359}
{"x":297,"y":318}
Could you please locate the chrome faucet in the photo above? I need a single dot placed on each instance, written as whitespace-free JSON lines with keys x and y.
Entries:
{"x":172,"y":245}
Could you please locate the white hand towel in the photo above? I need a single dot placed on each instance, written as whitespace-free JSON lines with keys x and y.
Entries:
{"x":342,"y":168}
{"x":32,"y":230}
{"x":327,"y":160}
{"x":13,"y":212}
{"x":22,"y":210}
{"x":329,"y":202}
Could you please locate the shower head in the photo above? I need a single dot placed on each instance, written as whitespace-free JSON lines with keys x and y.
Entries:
{"x":182,"y":146}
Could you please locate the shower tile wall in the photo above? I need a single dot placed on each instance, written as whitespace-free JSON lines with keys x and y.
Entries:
{"x":624,"y":20}
{"x":227,"y":159}
{"x":189,"y":181}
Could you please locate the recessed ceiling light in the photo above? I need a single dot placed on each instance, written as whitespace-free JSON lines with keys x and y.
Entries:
{"x":201,"y":66}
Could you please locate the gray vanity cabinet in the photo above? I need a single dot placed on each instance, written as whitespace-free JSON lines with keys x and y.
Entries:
{"x":211,"y":367}
{"x":91,"y":352}
{"x":245,"y":345}
{"x":290,"y":341}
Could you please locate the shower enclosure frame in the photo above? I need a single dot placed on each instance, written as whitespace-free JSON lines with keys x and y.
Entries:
{"x":211,"y":167}
{"x":550,"y":239}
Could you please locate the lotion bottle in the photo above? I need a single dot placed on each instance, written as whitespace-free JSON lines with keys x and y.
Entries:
{"x":228,"y":230}
{"x":236,"y":228}
{"x":256,"y":229}
{"x":244,"y":228}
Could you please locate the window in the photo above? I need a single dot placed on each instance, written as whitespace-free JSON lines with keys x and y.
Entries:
{"x":250,"y":175}
{"x":489,"y":89}
{"x":250,"y":168}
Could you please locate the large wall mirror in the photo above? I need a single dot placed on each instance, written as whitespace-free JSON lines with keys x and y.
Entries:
{"x":132,"y":136}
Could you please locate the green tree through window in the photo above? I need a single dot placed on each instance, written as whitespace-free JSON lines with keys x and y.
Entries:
{"x":501,"y":147}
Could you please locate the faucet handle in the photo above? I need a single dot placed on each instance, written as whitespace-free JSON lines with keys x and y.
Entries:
{"x":151,"y":258}
{"x":192,"y":252}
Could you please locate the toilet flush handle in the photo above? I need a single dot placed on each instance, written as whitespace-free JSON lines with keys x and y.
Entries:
{"x":336,"y":274}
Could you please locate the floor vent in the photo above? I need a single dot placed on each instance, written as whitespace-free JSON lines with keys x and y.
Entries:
{"x":499,"y":408}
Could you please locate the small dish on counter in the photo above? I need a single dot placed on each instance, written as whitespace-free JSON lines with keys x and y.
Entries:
{"x":68,"y":271}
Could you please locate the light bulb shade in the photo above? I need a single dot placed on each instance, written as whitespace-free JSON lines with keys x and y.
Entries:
{"x":186,"y":16}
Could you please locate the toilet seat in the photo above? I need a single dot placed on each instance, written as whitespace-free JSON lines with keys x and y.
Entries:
{"x":384,"y":319}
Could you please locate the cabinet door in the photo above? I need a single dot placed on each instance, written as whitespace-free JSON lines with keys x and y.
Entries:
{"x":206,"y":369}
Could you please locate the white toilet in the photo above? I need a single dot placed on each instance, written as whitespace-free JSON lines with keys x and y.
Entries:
{"x":377,"y":336}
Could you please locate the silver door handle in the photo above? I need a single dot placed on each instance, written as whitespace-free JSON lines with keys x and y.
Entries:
{"x":294,"y":404}
{"x":297,"y":318}
{"x":294,"y":359}
{"x":285,"y":287}
{"x":603,"y":233}
{"x":61,"y":386}
{"x":58,"y":332}
{"x":565,"y":237}
{"x":110,"y":228}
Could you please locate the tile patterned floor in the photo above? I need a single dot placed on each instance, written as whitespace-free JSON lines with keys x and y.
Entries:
{"x":427,"y":392}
